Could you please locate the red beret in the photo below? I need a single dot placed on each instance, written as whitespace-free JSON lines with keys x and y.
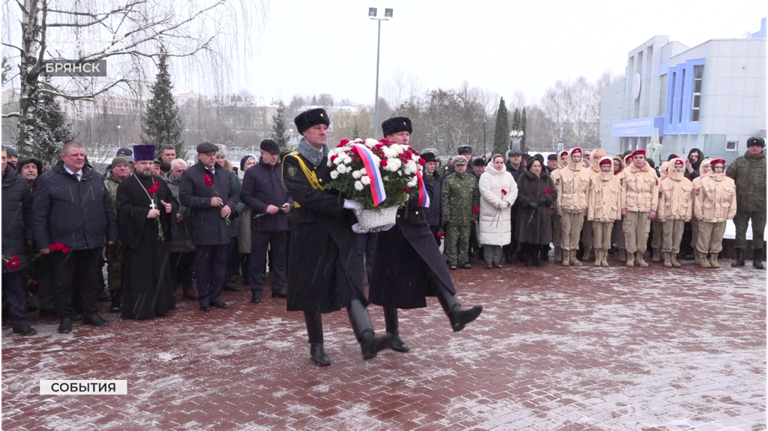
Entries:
{"x":716,"y":161}
{"x":636,"y":152}
{"x":627,"y":158}
{"x":576,"y":150}
{"x":679,"y":162}
{"x":606,"y":161}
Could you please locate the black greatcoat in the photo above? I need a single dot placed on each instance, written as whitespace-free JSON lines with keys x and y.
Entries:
{"x":147,"y":281}
{"x":208,"y":227}
{"x":323,"y":272}
{"x":408,"y":262}
{"x":531,"y":189}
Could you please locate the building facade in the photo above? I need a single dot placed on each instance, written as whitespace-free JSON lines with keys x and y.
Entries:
{"x":711,"y":97}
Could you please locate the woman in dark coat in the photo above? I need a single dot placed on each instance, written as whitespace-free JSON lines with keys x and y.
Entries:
{"x":536,"y":193}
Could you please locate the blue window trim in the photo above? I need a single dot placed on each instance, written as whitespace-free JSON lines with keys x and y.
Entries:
{"x":680,"y":98}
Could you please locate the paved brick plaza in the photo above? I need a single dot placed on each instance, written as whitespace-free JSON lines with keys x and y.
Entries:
{"x":555,"y":348}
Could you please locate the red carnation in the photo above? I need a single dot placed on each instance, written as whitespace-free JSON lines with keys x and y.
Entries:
{"x":15,"y":264}
{"x":547,"y":191}
{"x":343,"y":142}
{"x":15,"y":257}
{"x":503,"y":192}
{"x":65,"y":250}
{"x":474,"y":209}
{"x":379,"y":145}
{"x":32,"y":283}
{"x":383,"y":162}
{"x":8,"y":263}
{"x":407,"y":190}
{"x":208,"y":180}
{"x":441,"y":234}
{"x":385,"y":141}
{"x":421,"y":161}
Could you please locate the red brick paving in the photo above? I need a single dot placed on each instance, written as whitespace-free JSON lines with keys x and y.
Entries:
{"x":555,"y":349}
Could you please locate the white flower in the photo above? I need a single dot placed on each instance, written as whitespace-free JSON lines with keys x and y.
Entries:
{"x":365,"y":180}
{"x":359,"y":186}
{"x":347,"y":160}
{"x":397,"y":148}
{"x":342,"y":169}
{"x":370,"y":143}
{"x":386,"y":177}
{"x":337,"y":160}
{"x":387,"y":152}
{"x":410,"y":168}
{"x":412,"y":183}
{"x":334,"y":175}
{"x":356,"y":174}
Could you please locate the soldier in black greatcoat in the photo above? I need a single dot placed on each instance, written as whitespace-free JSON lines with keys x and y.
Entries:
{"x":409,"y":266}
{"x":324,"y":273}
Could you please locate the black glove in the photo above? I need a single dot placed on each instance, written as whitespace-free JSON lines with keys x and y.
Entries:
{"x":533,"y":205}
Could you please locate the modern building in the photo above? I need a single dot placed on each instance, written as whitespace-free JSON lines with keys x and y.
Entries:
{"x":711,"y":97}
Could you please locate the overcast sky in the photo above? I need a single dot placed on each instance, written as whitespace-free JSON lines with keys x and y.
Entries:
{"x":312,"y":47}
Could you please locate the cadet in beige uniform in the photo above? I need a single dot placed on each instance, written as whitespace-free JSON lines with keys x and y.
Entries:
{"x":675,"y":209}
{"x":619,"y":164}
{"x":603,"y":208}
{"x":640,"y":198}
{"x":657,"y":226}
{"x":586,"y":231}
{"x":557,"y":228}
{"x":572,"y":201}
{"x":715,"y":202}
{"x":704,"y":169}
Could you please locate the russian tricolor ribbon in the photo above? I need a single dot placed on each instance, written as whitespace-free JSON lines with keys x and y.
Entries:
{"x":423,"y":195}
{"x":371,"y":163}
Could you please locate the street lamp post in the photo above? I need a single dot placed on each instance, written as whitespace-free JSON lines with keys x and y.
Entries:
{"x":118,"y":136}
{"x":372,"y":15}
{"x":485,"y":153}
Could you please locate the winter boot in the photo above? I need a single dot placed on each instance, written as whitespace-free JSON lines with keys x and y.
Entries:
{"x":370,"y":344}
{"x":574,"y":261}
{"x":623,"y":255}
{"x":713,"y":260}
{"x":673,"y":258}
{"x":587,"y":251}
{"x":656,"y":256}
{"x":757,"y":258}
{"x":667,"y":258}
{"x":605,"y":258}
{"x":703,"y":260}
{"x":696,"y":258}
{"x":598,"y":257}
{"x":558,"y":254}
{"x":639,"y":260}
{"x":315,"y":331}
{"x":458,"y":316}
{"x":630,"y":259}
{"x":566,"y":257}
{"x":739,"y":258}
{"x":390,"y":319}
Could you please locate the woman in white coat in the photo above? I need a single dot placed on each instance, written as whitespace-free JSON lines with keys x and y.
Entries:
{"x":498,"y":191}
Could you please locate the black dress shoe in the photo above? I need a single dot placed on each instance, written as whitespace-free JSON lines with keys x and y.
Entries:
{"x":397,"y":343}
{"x":25,"y":330}
{"x":467,"y":266}
{"x":318,"y":355}
{"x":65,"y":326}
{"x":114,"y":309}
{"x":256,"y":296}
{"x":452,"y":267}
{"x":94,"y":320}
{"x":279,"y":294}
{"x":231,"y":288}
{"x":460,"y":317}
{"x":220,"y":304}
{"x":372,"y":345}
{"x":205,"y":307}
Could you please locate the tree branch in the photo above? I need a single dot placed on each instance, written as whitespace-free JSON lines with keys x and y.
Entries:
{"x":12,"y":115}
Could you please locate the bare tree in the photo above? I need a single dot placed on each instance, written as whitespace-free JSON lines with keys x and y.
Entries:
{"x":401,"y":87}
{"x":127,"y":33}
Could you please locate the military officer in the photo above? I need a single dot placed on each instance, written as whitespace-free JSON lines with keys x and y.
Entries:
{"x":460,"y":198}
{"x":748,"y":171}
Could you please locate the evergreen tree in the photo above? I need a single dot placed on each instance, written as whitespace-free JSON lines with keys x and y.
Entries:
{"x":516,"y":120}
{"x":522,"y":128}
{"x":356,"y":131}
{"x":53,"y":130}
{"x":278,"y":127}
{"x":162,"y":124}
{"x":501,"y":135}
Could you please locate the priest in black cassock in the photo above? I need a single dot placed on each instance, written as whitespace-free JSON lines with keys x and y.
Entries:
{"x":146,"y":210}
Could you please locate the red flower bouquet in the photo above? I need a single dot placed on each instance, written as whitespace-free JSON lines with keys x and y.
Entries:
{"x":209,"y":182}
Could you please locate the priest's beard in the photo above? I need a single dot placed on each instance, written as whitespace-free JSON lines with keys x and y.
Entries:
{"x":144,"y":174}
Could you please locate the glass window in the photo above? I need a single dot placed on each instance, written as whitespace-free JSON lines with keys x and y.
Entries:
{"x":674,"y":78}
{"x":698,"y":73}
{"x":682,"y":92}
{"x":662,"y":95}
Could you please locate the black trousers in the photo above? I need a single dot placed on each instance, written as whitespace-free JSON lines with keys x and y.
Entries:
{"x":366,"y":252}
{"x":16,"y":295}
{"x":81,"y":267}
{"x":181,"y":269}
{"x":210,"y":267}
{"x":260,"y":242}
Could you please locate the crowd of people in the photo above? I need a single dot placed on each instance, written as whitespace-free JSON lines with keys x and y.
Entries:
{"x":158,"y":222}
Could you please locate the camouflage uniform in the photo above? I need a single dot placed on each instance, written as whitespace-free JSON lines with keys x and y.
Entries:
{"x":459,"y":198}
{"x":114,"y":252}
{"x":748,"y":172}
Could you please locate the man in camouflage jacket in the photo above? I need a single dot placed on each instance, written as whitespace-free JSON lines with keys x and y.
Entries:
{"x":748,"y":171}
{"x":460,"y":198}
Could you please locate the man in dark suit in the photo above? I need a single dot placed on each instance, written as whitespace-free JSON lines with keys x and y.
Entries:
{"x":410,"y":247}
{"x":211,"y":194}
{"x":325,"y":274}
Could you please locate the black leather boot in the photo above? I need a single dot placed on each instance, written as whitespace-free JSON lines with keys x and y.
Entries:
{"x":459,"y":316}
{"x":390,"y":318}
{"x":370,"y":344}
{"x":528,"y":253}
{"x":757,"y":258}
{"x":315,"y":331}
{"x":739,"y":258}
{"x":117,"y":297}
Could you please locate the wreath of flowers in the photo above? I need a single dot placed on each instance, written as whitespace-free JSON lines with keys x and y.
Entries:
{"x":397,"y":165}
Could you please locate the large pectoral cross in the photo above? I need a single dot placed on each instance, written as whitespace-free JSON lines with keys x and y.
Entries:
{"x":152,"y":204}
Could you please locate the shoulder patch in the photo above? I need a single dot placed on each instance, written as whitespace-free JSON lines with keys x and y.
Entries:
{"x":557,"y":181}
{"x":291,"y":171}
{"x":697,"y":191}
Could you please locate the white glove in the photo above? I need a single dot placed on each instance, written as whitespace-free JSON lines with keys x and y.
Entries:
{"x":386,"y":227}
{"x":356,"y":228}
{"x":355,"y":206}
